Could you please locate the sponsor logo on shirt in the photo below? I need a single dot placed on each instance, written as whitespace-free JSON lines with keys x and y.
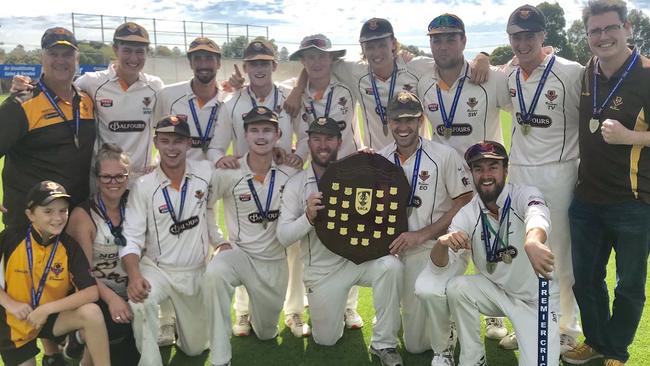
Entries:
{"x":179,"y":227}
{"x":245,"y":197}
{"x":433,"y":107}
{"x":163,"y":209}
{"x":127,"y":126}
{"x":513,"y":92}
{"x":457,"y":129}
{"x":256,"y":218}
{"x":369,"y":91}
{"x":537,"y":120}
{"x":107,"y":103}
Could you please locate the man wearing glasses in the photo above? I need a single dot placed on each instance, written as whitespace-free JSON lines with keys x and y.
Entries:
{"x":611,"y":208}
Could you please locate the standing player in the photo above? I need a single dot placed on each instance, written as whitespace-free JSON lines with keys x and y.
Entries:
{"x":198,"y":99}
{"x":544,"y":152}
{"x":329,"y":277}
{"x":255,"y":260}
{"x":169,"y":231}
{"x":440,"y":186}
{"x":495,"y":229}
{"x":611,"y":208}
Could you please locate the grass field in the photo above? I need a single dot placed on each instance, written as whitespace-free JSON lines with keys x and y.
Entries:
{"x":352,"y":349}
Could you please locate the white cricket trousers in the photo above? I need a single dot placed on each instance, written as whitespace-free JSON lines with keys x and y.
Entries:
{"x":470,"y":296}
{"x":183,"y":287}
{"x":327,"y":299}
{"x":417,"y":337}
{"x":266,"y":284}
{"x":557,"y":181}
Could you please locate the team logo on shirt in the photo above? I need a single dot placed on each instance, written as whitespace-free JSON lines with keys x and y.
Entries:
{"x":257,"y":218}
{"x":465,"y":181}
{"x":107,"y":103}
{"x":245,"y":197}
{"x":536,"y":120}
{"x":343,"y":102}
{"x":199,"y":194}
{"x":433,"y":107}
{"x":472,"y":102}
{"x":127,"y":126}
{"x":305,"y":117}
{"x":50,"y":113}
{"x":57,"y":269}
{"x":424,"y":175}
{"x":617,"y":102}
{"x":146,"y":101}
{"x":551,"y":95}
{"x":513,"y":92}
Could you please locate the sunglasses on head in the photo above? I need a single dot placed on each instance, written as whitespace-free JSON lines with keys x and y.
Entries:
{"x":446,"y":21}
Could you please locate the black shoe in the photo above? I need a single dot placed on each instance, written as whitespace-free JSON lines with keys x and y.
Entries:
{"x":53,"y":360}
{"x":73,"y":350}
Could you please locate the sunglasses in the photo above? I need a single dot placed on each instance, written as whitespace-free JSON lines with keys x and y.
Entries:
{"x":120,"y":240}
{"x":446,"y":21}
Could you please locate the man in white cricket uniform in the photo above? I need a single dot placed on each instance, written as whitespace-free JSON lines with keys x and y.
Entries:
{"x":328,"y":276}
{"x":545,"y":92}
{"x":440,"y":186}
{"x":169,"y":237}
{"x":198,"y":99}
{"x":502,"y":224}
{"x":256,"y":259}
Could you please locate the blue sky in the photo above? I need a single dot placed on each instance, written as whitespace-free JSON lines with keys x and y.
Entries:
{"x":287,"y":20}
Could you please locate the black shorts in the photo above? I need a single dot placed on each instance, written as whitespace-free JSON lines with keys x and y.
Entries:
{"x":29,"y":350}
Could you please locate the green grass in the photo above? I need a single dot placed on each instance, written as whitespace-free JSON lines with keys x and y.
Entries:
{"x":352,"y":348}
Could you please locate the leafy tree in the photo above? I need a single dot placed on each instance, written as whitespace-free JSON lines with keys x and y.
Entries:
{"x":284,"y":54}
{"x":640,"y":30}
{"x":163,"y":51}
{"x":501,"y":55}
{"x":176,"y":51}
{"x":414,"y":50}
{"x":19,"y":56}
{"x":234,"y":48}
{"x":555,"y":33}
{"x":577,"y":39}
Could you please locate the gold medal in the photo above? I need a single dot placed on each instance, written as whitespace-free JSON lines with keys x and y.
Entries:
{"x":525,"y":128}
{"x":385,"y":129}
{"x":491,"y":267}
{"x":593,"y":125}
{"x":507,"y":258}
{"x":447,"y":132}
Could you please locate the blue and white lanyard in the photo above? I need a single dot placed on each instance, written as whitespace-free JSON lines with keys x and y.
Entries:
{"x":211,"y":119}
{"x":416,"y":172}
{"x":527,"y":114}
{"x":275,"y":98}
{"x":328,"y":105}
{"x":491,"y":247}
{"x":448,"y":120}
{"x":76,"y":114}
{"x":597,"y":111}
{"x":269,"y":197}
{"x":38,"y":293}
{"x":170,"y":207}
{"x":379,"y":107}
{"x":104,"y":212}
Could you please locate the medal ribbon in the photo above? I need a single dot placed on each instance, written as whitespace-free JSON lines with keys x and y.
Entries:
{"x":527,"y":114}
{"x":275,"y":98}
{"x":104,"y":212}
{"x":37,"y":294}
{"x":208,"y":128}
{"x":393,"y":80}
{"x":328,"y":105}
{"x":269,"y":196}
{"x":491,"y":246}
{"x":414,"y":177}
{"x":76,"y":115}
{"x":170,"y":207}
{"x":598,"y":110}
{"x":448,"y":120}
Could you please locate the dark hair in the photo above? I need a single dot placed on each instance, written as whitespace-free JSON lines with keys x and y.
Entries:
{"x":503,"y":161}
{"x":110,"y":151}
{"x":597,"y":7}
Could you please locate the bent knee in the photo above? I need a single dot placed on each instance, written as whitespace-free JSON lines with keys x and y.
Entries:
{"x":458,"y":286}
{"x":90,"y":313}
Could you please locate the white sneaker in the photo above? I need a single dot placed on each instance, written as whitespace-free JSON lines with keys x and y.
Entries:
{"x":495,"y":329}
{"x":509,"y":342}
{"x":166,"y":335}
{"x":445,"y":358}
{"x":352,"y":319}
{"x":242,"y":326}
{"x":298,"y":327}
{"x":567,"y":343}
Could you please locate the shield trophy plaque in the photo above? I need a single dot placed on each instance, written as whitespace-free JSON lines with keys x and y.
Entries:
{"x":365,"y":198}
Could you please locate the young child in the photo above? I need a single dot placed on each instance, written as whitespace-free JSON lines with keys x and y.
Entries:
{"x":40,"y":267}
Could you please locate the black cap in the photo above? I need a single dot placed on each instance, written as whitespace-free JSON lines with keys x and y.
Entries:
{"x":526,"y":18}
{"x":446,"y":23}
{"x":131,"y":32}
{"x":58,"y":36}
{"x":260,"y":114}
{"x":45,"y":192}
{"x":375,"y":28}
{"x":259,"y":49}
{"x":325,"y":126}
{"x":404,"y":105}
{"x":173,"y":124}
{"x":204,"y":44}
{"x":485,"y":150}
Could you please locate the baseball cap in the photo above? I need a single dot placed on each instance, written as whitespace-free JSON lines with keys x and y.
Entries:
{"x":325,"y":126}
{"x":45,"y":192}
{"x":375,"y":28}
{"x":485,"y":150}
{"x":260,"y":114}
{"x":404,"y":104}
{"x":58,"y":36}
{"x":131,"y":32}
{"x":204,"y":44}
{"x":173,"y":124}
{"x":259,"y":49}
{"x":319,"y":42}
{"x":526,"y":18}
{"x":446,"y":23}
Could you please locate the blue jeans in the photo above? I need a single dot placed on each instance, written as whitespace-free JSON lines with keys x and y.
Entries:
{"x":595,"y":230}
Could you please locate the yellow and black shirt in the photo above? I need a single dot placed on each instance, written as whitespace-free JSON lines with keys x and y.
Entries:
{"x":39,"y":145}
{"x":614,"y":173}
{"x":69,"y":270}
